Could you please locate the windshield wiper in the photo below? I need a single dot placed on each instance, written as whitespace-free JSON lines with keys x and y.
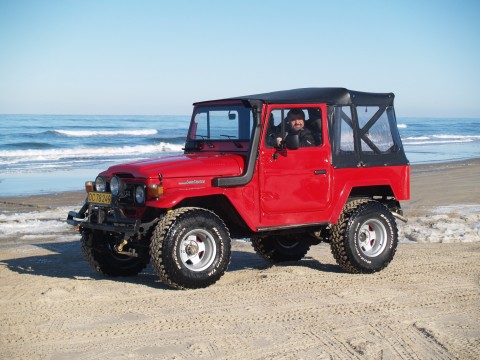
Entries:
{"x":205,"y":139}
{"x":235,"y":142}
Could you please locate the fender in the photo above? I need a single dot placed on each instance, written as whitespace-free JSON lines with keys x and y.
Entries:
{"x":395,"y":177}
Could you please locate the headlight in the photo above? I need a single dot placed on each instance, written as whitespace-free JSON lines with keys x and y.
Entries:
{"x":100,"y":184}
{"x":140,"y":194}
{"x":116,"y":186}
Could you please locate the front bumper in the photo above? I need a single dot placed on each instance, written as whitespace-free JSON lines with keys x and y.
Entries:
{"x":102,"y":218}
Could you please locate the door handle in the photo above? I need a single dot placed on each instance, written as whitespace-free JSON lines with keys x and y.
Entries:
{"x":320,"y":172}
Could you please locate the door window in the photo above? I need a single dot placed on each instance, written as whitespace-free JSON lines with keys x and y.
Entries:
{"x":307,"y":122}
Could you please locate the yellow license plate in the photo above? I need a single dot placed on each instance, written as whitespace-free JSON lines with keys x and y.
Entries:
{"x":99,"y":198}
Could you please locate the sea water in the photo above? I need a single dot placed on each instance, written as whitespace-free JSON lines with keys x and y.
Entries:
{"x":431,"y":140}
{"x":53,"y":153}
{"x":50,"y":153}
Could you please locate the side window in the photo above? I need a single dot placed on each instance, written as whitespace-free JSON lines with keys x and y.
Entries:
{"x":306,"y":122}
{"x":375,"y":132}
{"x":274,"y":127}
{"x":344,"y":129}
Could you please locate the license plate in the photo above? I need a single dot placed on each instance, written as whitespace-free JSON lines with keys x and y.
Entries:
{"x":99,"y":198}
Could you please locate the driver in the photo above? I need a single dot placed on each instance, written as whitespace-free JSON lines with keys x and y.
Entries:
{"x":296,"y":118}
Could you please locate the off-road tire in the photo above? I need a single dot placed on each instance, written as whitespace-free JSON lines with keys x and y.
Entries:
{"x":178,"y":256}
{"x":365,"y":238}
{"x":280,"y":248}
{"x":102,"y":258}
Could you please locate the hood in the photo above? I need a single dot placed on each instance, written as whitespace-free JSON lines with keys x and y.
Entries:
{"x":191,"y":165}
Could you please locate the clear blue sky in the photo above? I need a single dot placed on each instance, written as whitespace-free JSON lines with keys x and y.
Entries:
{"x":158,"y":57}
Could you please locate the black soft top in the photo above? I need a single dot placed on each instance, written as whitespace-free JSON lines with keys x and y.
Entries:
{"x":331,"y":96}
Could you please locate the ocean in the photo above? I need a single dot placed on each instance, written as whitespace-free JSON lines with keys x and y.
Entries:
{"x":52,"y":153}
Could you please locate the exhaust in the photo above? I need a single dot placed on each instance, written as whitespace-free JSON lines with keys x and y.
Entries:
{"x":399,"y":217}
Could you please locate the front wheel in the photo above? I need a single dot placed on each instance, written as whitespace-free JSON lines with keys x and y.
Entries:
{"x":97,"y":248}
{"x":190,"y":248}
{"x":365,"y":238}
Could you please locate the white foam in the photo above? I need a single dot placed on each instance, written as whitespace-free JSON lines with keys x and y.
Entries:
{"x":89,"y":133}
{"x":402,"y":126}
{"x":35,"y":223}
{"x":416,"y":138}
{"x":447,"y":136}
{"x":446,"y":224}
{"x":437,"y":142}
{"x":9,"y":157}
{"x":439,"y":139}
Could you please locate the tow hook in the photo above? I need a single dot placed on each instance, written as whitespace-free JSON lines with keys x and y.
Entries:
{"x":399,"y":217}
{"x":119,"y":249}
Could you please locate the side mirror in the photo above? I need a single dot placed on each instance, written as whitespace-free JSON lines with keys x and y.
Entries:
{"x":232,"y":116}
{"x":292,"y":142}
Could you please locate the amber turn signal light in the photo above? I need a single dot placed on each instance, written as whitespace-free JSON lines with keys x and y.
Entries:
{"x":154,"y":190}
{"x":88,"y":186}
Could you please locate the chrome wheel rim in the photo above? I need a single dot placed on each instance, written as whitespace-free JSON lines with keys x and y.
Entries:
{"x":372,"y":238}
{"x":197,"y":250}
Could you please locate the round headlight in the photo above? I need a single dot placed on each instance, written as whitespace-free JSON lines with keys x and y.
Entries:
{"x":100,"y":184}
{"x":115,"y":186}
{"x":139,"y":194}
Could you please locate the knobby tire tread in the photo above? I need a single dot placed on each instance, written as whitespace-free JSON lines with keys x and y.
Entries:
{"x":156,"y":252}
{"x":272,"y":255}
{"x":97,"y":261}
{"x":156,"y":245}
{"x":337,"y":236}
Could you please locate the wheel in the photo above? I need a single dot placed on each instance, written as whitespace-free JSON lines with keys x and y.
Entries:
{"x":97,"y":248}
{"x":190,"y":248}
{"x":280,"y":248}
{"x":365,"y":238}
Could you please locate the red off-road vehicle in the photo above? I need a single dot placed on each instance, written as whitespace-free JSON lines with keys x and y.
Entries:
{"x":246,"y":173}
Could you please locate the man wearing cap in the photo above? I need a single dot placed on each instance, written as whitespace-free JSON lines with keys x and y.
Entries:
{"x":296,"y":118}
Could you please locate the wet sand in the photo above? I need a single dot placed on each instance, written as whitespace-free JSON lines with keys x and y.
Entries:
{"x":425,"y":304}
{"x":445,"y":184}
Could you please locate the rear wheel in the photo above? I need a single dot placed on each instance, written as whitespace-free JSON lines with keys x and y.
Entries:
{"x":280,"y":248}
{"x":365,"y":238}
{"x":190,"y":248}
{"x":97,"y":248}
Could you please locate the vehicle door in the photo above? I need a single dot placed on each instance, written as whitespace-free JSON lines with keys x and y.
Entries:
{"x":294,"y":180}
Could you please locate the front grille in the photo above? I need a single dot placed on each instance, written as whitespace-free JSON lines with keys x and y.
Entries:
{"x":128,"y":197}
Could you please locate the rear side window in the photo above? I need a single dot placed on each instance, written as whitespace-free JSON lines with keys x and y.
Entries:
{"x":346,"y":129}
{"x":342,"y":129}
{"x":374,"y":129}
{"x":364,"y":136}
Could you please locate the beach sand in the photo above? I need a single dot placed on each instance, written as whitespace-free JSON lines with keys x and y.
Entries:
{"x":425,"y":304}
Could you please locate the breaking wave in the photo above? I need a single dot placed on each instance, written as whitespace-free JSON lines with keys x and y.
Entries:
{"x":9,"y":157}
{"x":439,"y":139}
{"x":89,"y":133}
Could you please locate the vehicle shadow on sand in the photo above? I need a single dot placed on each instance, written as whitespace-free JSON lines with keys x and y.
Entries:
{"x":65,"y":260}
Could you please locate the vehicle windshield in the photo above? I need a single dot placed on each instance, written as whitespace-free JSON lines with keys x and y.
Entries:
{"x":220,"y":127}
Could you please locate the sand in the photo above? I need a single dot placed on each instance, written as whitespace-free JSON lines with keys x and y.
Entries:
{"x":425,"y":305}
